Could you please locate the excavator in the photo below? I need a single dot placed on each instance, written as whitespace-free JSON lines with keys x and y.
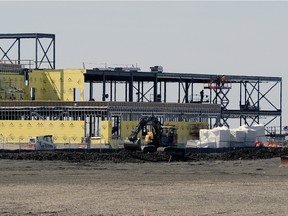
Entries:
{"x":157,"y":137}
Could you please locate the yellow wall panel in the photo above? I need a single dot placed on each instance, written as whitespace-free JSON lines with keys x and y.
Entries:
{"x":63,"y":131}
{"x":57,"y":84}
{"x":187,"y":130}
{"x":73,"y":79}
{"x":48,"y":84}
{"x":127,"y":127}
{"x":11,"y":80}
{"x":106,"y":130}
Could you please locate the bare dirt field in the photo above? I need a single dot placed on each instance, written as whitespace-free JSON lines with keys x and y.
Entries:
{"x":195,"y":187}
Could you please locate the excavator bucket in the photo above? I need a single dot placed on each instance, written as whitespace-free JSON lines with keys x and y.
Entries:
{"x":284,"y":161}
{"x":132,"y":146}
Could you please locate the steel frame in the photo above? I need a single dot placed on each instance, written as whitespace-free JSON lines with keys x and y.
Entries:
{"x":250,"y":91}
{"x":41,"y":52}
{"x":187,"y":82}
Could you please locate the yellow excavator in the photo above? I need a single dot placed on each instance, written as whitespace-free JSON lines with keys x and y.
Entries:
{"x":156,"y":135}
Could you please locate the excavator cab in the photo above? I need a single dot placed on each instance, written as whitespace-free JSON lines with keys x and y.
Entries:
{"x":168,"y":135}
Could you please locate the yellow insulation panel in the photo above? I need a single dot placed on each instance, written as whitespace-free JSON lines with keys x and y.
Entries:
{"x":187,"y":130}
{"x":73,"y":79}
{"x":127,"y":127}
{"x":11,"y":80}
{"x":57,"y":84}
{"x":106,"y":131}
{"x":18,"y":131}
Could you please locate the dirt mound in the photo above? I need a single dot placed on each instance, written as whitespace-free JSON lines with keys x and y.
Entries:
{"x":140,"y":157}
{"x":244,"y":154}
{"x":117,"y":157}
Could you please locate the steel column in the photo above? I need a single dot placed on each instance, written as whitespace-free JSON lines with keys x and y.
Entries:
{"x":104,"y":87}
{"x":155,"y":87}
{"x":131,"y":87}
{"x":90,"y":90}
{"x":19,"y":52}
{"x":165,"y":88}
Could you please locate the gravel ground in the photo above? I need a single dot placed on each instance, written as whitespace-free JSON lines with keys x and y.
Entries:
{"x":137,"y":187}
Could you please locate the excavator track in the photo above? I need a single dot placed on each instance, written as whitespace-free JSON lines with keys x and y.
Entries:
{"x":132,"y":146}
{"x":175,"y":151}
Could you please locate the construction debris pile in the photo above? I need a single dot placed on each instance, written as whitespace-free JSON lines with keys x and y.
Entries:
{"x":124,"y":156}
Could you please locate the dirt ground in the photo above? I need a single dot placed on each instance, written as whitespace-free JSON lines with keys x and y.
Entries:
{"x":238,"y":187}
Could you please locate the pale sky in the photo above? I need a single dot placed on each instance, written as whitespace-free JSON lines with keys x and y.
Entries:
{"x":249,"y":38}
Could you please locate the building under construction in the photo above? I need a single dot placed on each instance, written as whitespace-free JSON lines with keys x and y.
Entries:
{"x":74,"y":105}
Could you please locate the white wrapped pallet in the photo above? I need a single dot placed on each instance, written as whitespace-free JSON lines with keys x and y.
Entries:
{"x":192,"y":143}
{"x":218,"y":137}
{"x":260,"y":130}
{"x":233,"y":135}
{"x":237,"y":144}
{"x":250,"y":136}
{"x":206,"y":145}
{"x":237,"y":135}
{"x":219,"y":134}
{"x":203,"y":134}
{"x":223,"y":144}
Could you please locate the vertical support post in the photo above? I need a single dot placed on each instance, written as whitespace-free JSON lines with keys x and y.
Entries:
{"x":19,"y":51}
{"x":90,"y":90}
{"x":90,"y":125}
{"x":192,"y":91}
{"x":240,"y":102}
{"x":111,"y":93}
{"x":138,"y":92}
{"x":155,"y":88}
{"x":165,"y":88}
{"x":186,"y":92}
{"x":245,"y":89}
{"x":36,"y":51}
{"x":94,"y":124}
{"x":131,"y":87}
{"x":126,"y":89}
{"x":142,"y":91}
{"x":211,"y":102}
{"x":160,"y":89}
{"x":115,"y":90}
{"x":98,"y":126}
{"x":104,"y":86}
{"x":179,"y":88}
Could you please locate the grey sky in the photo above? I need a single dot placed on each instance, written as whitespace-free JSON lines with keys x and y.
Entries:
{"x":236,"y":38}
